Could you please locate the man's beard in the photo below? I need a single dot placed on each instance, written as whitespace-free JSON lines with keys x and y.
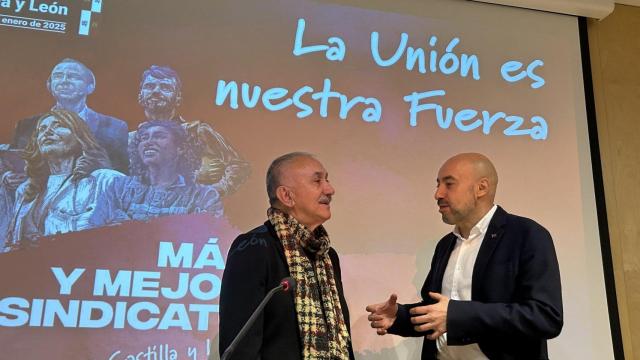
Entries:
{"x":158,"y":104}
{"x":459,"y":214}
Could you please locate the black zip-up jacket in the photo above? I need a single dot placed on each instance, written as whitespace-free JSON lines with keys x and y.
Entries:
{"x":256,"y":264}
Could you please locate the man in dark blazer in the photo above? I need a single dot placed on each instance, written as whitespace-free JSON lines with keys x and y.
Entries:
{"x":493,"y":290}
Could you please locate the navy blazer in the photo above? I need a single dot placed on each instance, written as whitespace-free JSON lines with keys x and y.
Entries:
{"x":516,"y":299}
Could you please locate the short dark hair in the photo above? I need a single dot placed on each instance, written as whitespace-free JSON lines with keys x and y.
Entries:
{"x":162,"y":72}
{"x":274,"y":172}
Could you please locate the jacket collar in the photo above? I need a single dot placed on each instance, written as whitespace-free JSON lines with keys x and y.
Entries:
{"x":489,"y":243}
{"x":491,"y":239}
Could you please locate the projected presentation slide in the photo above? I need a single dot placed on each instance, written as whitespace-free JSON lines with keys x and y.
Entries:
{"x":136,"y":136}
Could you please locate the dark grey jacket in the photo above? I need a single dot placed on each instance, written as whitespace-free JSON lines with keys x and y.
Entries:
{"x":256,"y":263}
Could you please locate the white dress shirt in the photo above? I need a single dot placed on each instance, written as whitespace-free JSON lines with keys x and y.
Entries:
{"x":456,"y":284}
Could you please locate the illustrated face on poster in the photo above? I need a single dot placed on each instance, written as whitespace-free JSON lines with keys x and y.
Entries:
{"x":158,"y":147}
{"x":54,"y":140}
{"x":70,"y":82}
{"x":159,"y":96}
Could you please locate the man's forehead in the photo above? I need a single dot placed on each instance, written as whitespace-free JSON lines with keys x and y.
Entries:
{"x":68,"y":67}
{"x":457,"y":169}
{"x":450,"y":169}
{"x":304,"y":166}
{"x":446,"y":177}
{"x":153,"y":79}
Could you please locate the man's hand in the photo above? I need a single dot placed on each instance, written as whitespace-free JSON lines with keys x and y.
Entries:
{"x":383,"y":315}
{"x":431,"y":317}
{"x":12,"y":180}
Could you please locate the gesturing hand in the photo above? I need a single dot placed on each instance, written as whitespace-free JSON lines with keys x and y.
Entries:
{"x":383,"y":315}
{"x":431,"y":317}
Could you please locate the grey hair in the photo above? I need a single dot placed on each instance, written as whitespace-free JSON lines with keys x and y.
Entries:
{"x":274,"y":173}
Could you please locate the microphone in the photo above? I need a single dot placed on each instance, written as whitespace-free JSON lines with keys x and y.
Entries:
{"x":286,"y":284}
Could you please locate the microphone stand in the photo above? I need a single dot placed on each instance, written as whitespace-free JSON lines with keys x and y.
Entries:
{"x":286,"y":285}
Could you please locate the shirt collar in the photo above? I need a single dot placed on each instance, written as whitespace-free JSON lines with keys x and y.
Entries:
{"x":480,"y":227}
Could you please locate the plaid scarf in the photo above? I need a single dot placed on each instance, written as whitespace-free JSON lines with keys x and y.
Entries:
{"x":322,"y":328}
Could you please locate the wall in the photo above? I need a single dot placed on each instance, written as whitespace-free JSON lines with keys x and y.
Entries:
{"x":615,"y":49}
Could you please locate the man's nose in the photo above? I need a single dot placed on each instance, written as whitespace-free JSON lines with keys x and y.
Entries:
{"x":156,"y":89}
{"x":328,"y":189}
{"x":438,"y":194}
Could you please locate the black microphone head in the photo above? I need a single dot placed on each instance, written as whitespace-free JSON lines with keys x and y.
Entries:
{"x":288,"y":284}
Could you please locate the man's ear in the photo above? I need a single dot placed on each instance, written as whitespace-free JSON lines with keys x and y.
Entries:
{"x":285,"y":196}
{"x":91,"y":87}
{"x":482,"y":188}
